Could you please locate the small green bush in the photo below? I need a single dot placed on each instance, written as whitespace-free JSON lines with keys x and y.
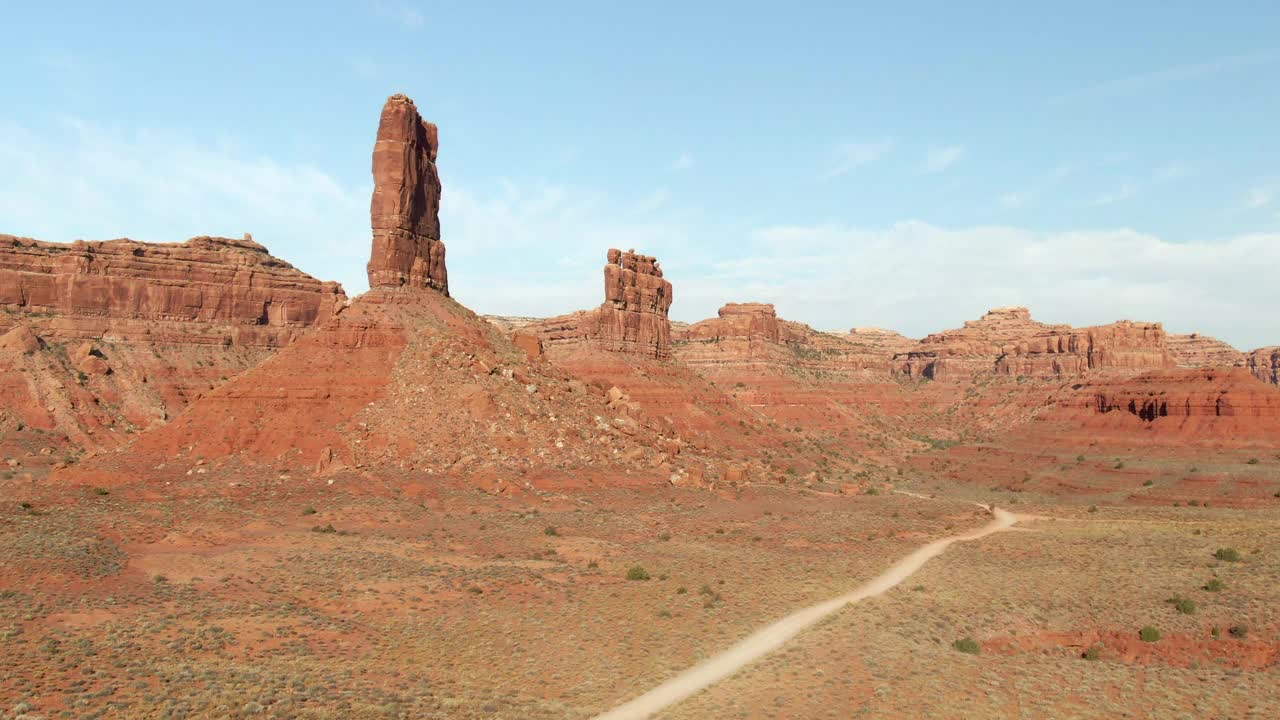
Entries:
{"x":1148,"y":483}
{"x":551,"y":531}
{"x":1227,"y":554}
{"x":1214,"y":585}
{"x":1253,"y":461}
{"x":1149,"y":634}
{"x":324,"y":528}
{"x":309,"y":511}
{"x":101,"y":491}
{"x":1186,"y":606}
{"x":1093,"y":653}
{"x":1238,"y":632}
{"x":636,"y":572}
{"x":967,"y":645}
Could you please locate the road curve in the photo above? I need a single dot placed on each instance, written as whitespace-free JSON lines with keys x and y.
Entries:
{"x":765,"y":641}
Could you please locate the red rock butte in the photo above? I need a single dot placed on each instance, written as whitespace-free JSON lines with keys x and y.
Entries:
{"x":633,"y":318}
{"x":405,"y":209}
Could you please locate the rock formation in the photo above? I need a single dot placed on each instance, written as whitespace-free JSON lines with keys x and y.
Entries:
{"x":633,"y":318}
{"x":206,"y":290}
{"x":1201,"y":351}
{"x":1006,"y":341}
{"x":1264,"y":363}
{"x":879,"y":340}
{"x":405,"y":210}
{"x":118,"y":336}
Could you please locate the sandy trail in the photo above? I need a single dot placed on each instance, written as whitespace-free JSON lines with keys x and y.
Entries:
{"x":765,"y":641}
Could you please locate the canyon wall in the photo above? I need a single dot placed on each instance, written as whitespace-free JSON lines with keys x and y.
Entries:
{"x":1264,"y":363}
{"x":405,"y":209}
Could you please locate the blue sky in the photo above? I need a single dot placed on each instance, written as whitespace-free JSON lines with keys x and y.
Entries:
{"x":854,"y":164}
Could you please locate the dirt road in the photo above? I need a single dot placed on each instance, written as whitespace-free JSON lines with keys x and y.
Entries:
{"x":765,"y":641}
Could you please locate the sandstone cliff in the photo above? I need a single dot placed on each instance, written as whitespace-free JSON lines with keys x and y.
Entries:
{"x":405,"y":208}
{"x":1201,"y":351}
{"x":1007,"y":341}
{"x":633,"y":318}
{"x":103,"y":339}
{"x":1264,"y":363}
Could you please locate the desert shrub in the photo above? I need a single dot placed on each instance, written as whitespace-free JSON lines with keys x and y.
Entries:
{"x":1238,"y":632}
{"x":324,"y":528}
{"x":1227,"y":554}
{"x":665,"y":536}
{"x":664,"y":613}
{"x":873,"y":491}
{"x":1149,"y":634}
{"x":967,"y":645}
{"x":475,"y":590}
{"x":1092,"y":653}
{"x":1148,"y":483}
{"x":1093,"y":508}
{"x":1186,"y":606}
{"x":1079,"y":458}
{"x":1119,"y":465}
{"x":551,"y":531}
{"x":101,"y":491}
{"x":681,"y":590}
{"x":309,"y":511}
{"x":637,"y":572}
{"x":1254,"y":461}
{"x":1214,"y":585}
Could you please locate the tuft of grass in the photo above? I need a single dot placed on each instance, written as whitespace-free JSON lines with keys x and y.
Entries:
{"x":637,"y":572}
{"x":475,"y":590}
{"x":551,"y":531}
{"x":1093,"y":653}
{"x":1227,"y":554}
{"x":1148,"y":482}
{"x":1254,"y":461}
{"x":324,"y":528}
{"x":1186,"y":606}
{"x":101,"y":491}
{"x":1238,"y":632}
{"x":967,"y":645}
{"x":1149,"y":634}
{"x":308,"y":511}
{"x":1214,"y":585}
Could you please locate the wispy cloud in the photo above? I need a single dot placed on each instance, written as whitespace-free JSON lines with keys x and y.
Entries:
{"x":1260,"y":197}
{"x":1166,"y":76}
{"x":850,"y":155}
{"x":1022,"y":197}
{"x":939,"y":159}
{"x":400,"y":12}
{"x":1171,"y":171}
{"x":683,"y":162}
{"x":1124,"y":192}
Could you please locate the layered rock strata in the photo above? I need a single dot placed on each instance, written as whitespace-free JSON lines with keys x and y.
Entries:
{"x":405,"y":209}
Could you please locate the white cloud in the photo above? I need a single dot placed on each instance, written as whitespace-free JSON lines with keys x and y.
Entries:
{"x":1014,"y":199}
{"x":939,"y":159}
{"x":847,"y":156}
{"x":918,"y":278}
{"x":78,"y":180}
{"x":684,"y":162}
{"x":1166,"y":76}
{"x":1259,"y":197}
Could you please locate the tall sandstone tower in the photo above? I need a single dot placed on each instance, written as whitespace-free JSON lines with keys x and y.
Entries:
{"x":405,"y":209}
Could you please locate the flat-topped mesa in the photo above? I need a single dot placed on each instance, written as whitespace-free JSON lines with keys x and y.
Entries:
{"x":752,"y":334}
{"x":1007,"y":341}
{"x":739,"y":320}
{"x":207,"y":290}
{"x":1201,"y":351}
{"x":405,"y":209}
{"x":877,"y":339}
{"x":634,"y":316}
